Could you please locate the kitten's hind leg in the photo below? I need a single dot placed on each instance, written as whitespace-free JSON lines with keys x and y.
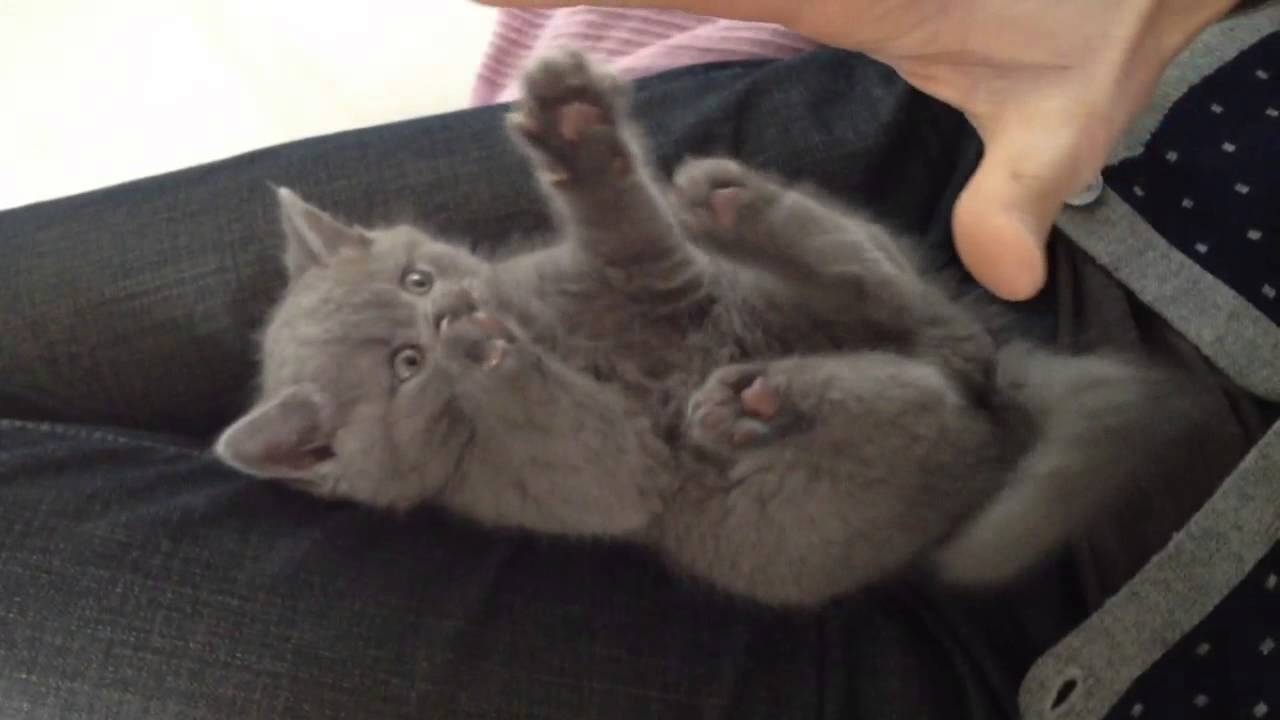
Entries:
{"x":739,"y":408}
{"x":835,"y":471}
{"x":575,"y":125}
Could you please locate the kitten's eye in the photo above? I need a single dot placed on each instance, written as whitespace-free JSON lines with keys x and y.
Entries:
{"x":418,"y":282}
{"x":407,"y":362}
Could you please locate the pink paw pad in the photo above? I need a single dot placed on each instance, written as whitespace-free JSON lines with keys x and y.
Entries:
{"x":577,"y":118}
{"x":760,"y":401}
{"x":724,"y":205}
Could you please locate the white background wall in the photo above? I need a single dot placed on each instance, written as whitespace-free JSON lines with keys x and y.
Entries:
{"x":93,"y":93}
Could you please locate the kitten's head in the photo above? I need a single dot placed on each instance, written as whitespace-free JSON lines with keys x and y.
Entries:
{"x":353,"y":403}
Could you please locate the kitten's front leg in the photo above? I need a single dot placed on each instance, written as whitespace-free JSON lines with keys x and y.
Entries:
{"x":575,"y":125}
{"x":553,"y":450}
{"x":836,"y":263}
{"x":755,"y":219}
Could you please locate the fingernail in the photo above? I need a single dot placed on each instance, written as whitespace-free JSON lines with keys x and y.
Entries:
{"x":1089,"y":194}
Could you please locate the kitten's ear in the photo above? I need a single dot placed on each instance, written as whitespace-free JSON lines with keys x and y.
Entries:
{"x":283,"y":437}
{"x":312,"y":236}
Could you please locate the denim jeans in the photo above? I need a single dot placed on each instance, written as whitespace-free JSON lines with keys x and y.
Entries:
{"x":140,"y":579}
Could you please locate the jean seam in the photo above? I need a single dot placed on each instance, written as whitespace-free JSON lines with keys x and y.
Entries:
{"x":96,"y":434}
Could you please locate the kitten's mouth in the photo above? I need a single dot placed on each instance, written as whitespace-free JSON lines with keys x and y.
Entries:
{"x":486,"y":323}
{"x":495,"y":341}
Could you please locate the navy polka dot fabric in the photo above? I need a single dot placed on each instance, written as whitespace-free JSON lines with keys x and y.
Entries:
{"x":1227,"y":667}
{"x":1209,"y":182}
{"x":1209,"y":179}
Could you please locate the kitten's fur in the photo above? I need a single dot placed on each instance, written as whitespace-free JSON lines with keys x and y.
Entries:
{"x":737,"y":373}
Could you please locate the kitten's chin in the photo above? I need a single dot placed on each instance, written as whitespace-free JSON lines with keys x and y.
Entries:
{"x":403,"y":485}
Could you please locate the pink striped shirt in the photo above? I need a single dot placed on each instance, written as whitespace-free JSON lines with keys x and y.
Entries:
{"x":635,"y":43}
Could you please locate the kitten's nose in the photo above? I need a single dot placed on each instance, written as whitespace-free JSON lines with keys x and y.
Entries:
{"x":450,"y":303}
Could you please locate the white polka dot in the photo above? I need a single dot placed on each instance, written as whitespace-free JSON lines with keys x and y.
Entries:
{"x":1263,"y":74}
{"x":1270,"y":292}
{"x":1171,"y":156}
{"x":1188,"y":203}
{"x":1242,"y":188}
{"x":1200,"y":700}
{"x":1202,"y":248}
{"x":1272,"y":112}
{"x":1136,"y":710}
{"x":1268,"y":644}
{"x":1255,"y":234}
{"x":1137,"y":190}
{"x":1272,"y":580}
{"x":1203,"y":649}
{"x":1216,"y":109}
{"x":1260,"y":710}
{"x":1228,"y":147}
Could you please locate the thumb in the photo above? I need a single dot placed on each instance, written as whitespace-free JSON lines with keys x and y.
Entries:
{"x":1002,"y":218}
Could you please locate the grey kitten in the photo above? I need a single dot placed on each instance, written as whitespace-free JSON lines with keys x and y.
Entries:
{"x":740,"y":374}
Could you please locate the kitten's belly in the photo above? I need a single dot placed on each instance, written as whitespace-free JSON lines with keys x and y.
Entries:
{"x":658,"y":376}
{"x":661,"y":392}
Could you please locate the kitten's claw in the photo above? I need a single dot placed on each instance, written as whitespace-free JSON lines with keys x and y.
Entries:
{"x":496,"y":353}
{"x":568,"y":119}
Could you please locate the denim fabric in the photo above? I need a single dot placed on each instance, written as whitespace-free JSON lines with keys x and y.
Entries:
{"x":138,"y":579}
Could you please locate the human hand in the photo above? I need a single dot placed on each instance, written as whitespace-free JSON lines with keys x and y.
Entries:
{"x":1049,"y":86}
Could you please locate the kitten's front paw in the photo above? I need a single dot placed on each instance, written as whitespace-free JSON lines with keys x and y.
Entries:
{"x":715,"y":196}
{"x":738,"y":407}
{"x":569,"y":119}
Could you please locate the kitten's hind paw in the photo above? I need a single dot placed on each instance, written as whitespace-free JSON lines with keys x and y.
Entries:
{"x":715,"y":196}
{"x":738,"y":407}
{"x":568,"y":119}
